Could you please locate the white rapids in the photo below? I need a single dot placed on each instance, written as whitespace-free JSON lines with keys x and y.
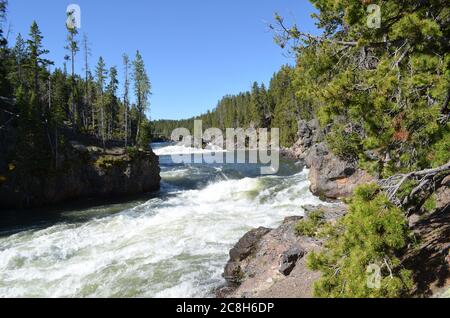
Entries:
{"x":174,"y":245}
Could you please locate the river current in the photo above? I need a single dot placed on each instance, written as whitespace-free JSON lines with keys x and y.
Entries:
{"x":174,"y":243}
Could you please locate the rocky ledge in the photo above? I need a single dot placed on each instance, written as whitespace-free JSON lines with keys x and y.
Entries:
{"x":84,"y":170}
{"x":270,"y":263}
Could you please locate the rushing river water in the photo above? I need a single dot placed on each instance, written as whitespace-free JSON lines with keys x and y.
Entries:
{"x":173,"y":244}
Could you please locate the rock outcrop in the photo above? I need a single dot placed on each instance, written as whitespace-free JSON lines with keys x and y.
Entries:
{"x":330,"y":176}
{"x":272,"y":263}
{"x":83,"y":171}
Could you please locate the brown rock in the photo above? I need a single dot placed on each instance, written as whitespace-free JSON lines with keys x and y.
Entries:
{"x":247,"y":244}
{"x":331,"y":212}
{"x":332,"y":177}
{"x":443,"y":197}
{"x":274,"y":255}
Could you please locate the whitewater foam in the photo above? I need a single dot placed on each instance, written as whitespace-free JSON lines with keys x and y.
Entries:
{"x":180,"y":149}
{"x":174,"y":246}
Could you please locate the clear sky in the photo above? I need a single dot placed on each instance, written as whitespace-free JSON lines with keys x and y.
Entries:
{"x":196,"y":51}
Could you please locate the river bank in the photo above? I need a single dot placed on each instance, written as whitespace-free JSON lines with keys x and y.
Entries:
{"x":272,"y":262}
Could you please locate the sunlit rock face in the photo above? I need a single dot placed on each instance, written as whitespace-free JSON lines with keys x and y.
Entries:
{"x":83,"y":171}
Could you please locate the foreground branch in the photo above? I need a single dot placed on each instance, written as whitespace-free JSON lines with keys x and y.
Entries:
{"x":427,"y":180}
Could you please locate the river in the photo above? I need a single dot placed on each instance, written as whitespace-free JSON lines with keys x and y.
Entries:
{"x":171,"y":244}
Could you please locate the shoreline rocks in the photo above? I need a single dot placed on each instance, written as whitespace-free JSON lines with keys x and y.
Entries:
{"x":271,"y":263}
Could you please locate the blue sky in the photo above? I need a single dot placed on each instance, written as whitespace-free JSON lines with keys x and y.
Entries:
{"x":196,"y":51}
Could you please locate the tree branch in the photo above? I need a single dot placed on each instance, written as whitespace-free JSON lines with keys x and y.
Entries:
{"x":426,"y":185}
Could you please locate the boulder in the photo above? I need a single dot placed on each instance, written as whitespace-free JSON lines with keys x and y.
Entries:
{"x":289,"y":260}
{"x":330,"y":176}
{"x":308,"y":134}
{"x":443,"y":195}
{"x":331,"y":212}
{"x":270,"y":263}
{"x":247,"y":244}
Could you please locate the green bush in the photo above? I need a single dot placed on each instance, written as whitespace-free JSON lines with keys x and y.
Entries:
{"x":311,"y":225}
{"x":372,"y":233}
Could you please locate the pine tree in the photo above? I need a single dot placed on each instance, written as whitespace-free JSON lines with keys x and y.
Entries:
{"x":142,"y":88}
{"x":126,"y":97}
{"x":383,"y":90}
{"x":20,"y":54}
{"x":36,"y":60}
{"x":5,"y":87}
{"x":3,"y":5}
{"x":101,"y":75}
{"x":87,"y":91}
{"x":112,"y":101}
{"x":371,"y":234}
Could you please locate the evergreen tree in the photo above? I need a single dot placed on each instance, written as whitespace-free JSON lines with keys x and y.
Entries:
{"x":371,"y":234}
{"x":142,"y":88}
{"x":37,"y":62}
{"x":3,"y":5}
{"x":5,"y":87}
{"x":112,"y":101}
{"x":383,"y":91}
{"x":87,"y":85}
{"x":126,"y":96}
{"x":20,"y":57}
{"x":101,"y":75}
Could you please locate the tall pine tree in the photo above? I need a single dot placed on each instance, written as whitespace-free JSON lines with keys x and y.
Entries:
{"x":101,"y":75}
{"x":142,"y":88}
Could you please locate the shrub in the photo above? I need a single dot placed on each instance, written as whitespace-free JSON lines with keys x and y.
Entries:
{"x":311,"y":225}
{"x":372,"y":233}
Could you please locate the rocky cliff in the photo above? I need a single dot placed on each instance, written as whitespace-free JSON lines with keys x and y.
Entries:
{"x":83,"y":171}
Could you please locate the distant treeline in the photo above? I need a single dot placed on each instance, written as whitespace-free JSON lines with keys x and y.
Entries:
{"x":276,"y":106}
